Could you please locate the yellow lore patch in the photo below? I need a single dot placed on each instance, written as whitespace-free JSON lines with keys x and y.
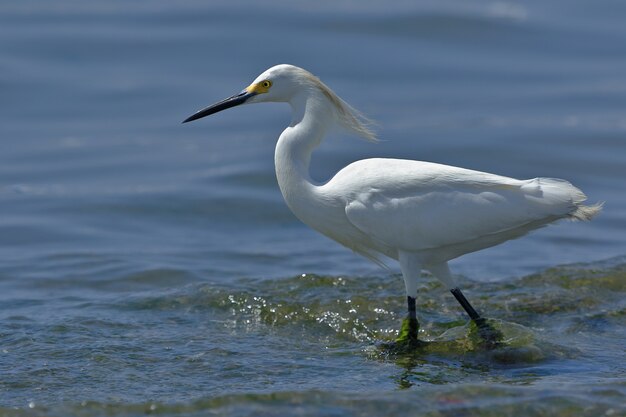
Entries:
{"x":260,"y":87}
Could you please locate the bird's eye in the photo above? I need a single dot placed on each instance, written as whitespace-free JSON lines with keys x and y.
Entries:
{"x":266,"y":83}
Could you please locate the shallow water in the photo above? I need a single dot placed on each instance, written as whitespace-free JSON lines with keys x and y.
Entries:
{"x":311,"y":345}
{"x":149,"y":267}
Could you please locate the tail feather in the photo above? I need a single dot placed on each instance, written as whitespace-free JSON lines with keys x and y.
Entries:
{"x":586,"y":213}
{"x":563,"y":194}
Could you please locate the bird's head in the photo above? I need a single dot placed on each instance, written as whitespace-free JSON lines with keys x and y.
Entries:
{"x":282,"y":83}
{"x":277,"y":84}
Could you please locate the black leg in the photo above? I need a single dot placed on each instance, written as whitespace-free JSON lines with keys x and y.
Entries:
{"x":412,"y":311}
{"x":413,"y":323}
{"x":410,"y":327}
{"x":490,"y":335}
{"x":465,"y":304}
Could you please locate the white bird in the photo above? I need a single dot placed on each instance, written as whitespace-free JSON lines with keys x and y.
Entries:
{"x":421,"y":214}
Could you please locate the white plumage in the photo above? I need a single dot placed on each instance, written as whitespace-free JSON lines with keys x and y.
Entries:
{"x":420,"y":213}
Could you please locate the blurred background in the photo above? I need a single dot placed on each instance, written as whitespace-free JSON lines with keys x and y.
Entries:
{"x":105,"y":196}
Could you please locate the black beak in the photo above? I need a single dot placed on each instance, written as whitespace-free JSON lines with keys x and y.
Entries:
{"x":233,"y":101}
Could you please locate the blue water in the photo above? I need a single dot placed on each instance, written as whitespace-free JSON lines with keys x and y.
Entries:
{"x":147,"y":265}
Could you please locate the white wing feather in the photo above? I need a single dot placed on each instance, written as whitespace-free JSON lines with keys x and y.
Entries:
{"x":417,"y":206}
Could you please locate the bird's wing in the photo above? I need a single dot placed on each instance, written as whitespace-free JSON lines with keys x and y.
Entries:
{"x":417,"y":206}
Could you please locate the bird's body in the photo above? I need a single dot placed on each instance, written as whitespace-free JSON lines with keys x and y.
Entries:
{"x":438,"y":212}
{"x":419,"y":213}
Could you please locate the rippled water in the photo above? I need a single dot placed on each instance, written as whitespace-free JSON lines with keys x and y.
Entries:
{"x":310,"y":345}
{"x":149,"y":267}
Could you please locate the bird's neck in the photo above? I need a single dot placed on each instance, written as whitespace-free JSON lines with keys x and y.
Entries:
{"x":311,"y":118}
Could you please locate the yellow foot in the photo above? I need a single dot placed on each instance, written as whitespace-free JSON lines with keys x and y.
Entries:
{"x":490,"y":337}
{"x":408,"y":334}
{"x":406,"y":342}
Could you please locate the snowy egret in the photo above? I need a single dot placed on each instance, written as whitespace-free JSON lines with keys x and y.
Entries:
{"x":421,"y":214}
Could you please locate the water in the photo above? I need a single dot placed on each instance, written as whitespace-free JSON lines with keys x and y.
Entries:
{"x":149,"y":267}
